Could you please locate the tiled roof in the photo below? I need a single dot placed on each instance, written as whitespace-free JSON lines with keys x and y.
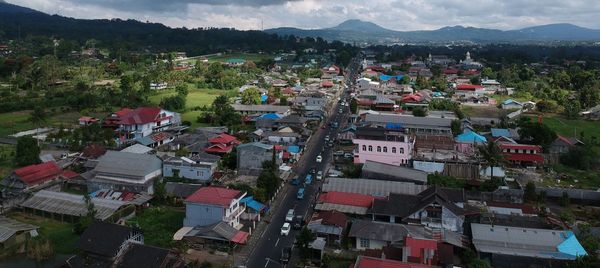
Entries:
{"x":468,"y":87}
{"x":513,"y":146}
{"x":350,"y":199}
{"x":35,"y":174}
{"x":222,"y":138}
{"x":370,"y":262}
{"x":214,"y":196}
{"x":141,"y":115}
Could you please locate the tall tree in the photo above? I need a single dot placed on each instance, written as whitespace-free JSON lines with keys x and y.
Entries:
{"x":491,"y":155}
{"x":27,"y":151}
{"x":251,"y":96}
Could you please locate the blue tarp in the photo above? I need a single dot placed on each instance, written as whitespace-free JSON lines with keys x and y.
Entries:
{"x":253,"y":204}
{"x":270,"y":116}
{"x":385,"y":77}
{"x":264,"y":98}
{"x":471,"y":136}
{"x":571,"y":246}
{"x":293,"y":149}
{"x":499,"y":132}
{"x":393,"y":126}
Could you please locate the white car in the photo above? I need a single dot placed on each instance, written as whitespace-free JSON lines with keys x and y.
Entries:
{"x":319,"y":175}
{"x":290,"y":215}
{"x":285,"y":229}
{"x":319,"y":159}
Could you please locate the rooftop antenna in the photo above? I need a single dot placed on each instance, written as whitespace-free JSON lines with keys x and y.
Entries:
{"x":262,"y":25}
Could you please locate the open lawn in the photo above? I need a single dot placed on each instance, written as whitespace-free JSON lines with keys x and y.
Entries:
{"x":482,"y":111}
{"x":195,"y":98}
{"x":6,"y":159}
{"x":246,"y":56}
{"x":60,"y":234}
{"x":568,"y":127}
{"x":159,"y":224}
{"x":14,"y":122}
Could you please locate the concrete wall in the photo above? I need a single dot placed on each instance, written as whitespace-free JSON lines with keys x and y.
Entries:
{"x":373,"y":244}
{"x":200,"y":173}
{"x":251,"y":160}
{"x":400,"y":157}
{"x":202,"y":214}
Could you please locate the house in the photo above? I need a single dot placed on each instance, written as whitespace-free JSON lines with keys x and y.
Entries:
{"x":377,"y":235}
{"x":370,"y":262}
{"x":235,"y":62}
{"x":440,"y":208}
{"x":351,"y":203}
{"x":156,"y":139}
{"x":219,"y":234}
{"x":366,"y":83}
{"x":329,"y":225}
{"x":126,"y":172}
{"x":251,"y":156}
{"x":562,"y":145}
{"x":135,"y":124}
{"x":390,"y":145}
{"x":33,"y":177}
{"x":221,"y":144}
{"x":93,"y":151}
{"x":468,"y":141}
{"x":374,"y":188}
{"x":96,"y":246}
{"x":412,"y":124}
{"x":199,"y":167}
{"x":14,"y":232}
{"x":522,"y":154}
{"x":382,"y":171}
{"x":261,"y":109}
{"x":211,"y":205}
{"x":139,"y":149}
{"x":508,"y":246}
{"x":87,"y":120}
{"x":526,"y":210}
{"x":511,"y":104}
{"x":138,"y":255}
{"x":592,"y":113}
{"x":181,"y":190}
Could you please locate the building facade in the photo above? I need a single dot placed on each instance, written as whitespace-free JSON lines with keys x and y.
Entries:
{"x":389,"y":146}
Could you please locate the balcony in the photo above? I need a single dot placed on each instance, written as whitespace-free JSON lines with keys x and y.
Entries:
{"x":234,"y":214}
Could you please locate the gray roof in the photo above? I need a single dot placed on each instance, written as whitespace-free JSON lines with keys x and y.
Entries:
{"x":128,"y":164}
{"x":261,"y":108}
{"x":341,"y":208}
{"x":218,"y":231}
{"x":9,"y":227}
{"x":71,"y":204}
{"x":256,"y":145}
{"x":371,"y":187}
{"x":181,"y":190}
{"x":393,"y":171}
{"x":580,"y":194}
{"x":384,"y":231}
{"x":408,"y":120}
{"x":137,"y":149}
{"x":317,"y":227}
{"x":519,"y":241}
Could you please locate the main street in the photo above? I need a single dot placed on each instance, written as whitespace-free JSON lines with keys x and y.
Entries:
{"x":268,"y":250}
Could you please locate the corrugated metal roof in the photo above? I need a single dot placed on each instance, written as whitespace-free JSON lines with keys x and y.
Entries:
{"x":341,"y":208}
{"x":71,"y":204}
{"x":371,"y":187}
{"x":396,"y":171}
{"x":128,"y":164}
{"x":8,"y":227}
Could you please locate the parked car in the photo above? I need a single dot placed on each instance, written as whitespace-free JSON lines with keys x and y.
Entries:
{"x":295,"y":181}
{"x":300,"y":193}
{"x":285,"y":229}
{"x":319,"y":175}
{"x":286,"y":252}
{"x":338,"y":153}
{"x":319,"y":158}
{"x":348,"y":155}
{"x":335,"y":125}
{"x":326,"y":137}
{"x":330,"y":144}
{"x":313,"y":171}
{"x":308,"y":179}
{"x":298,"y":222}
{"x":290,"y":215}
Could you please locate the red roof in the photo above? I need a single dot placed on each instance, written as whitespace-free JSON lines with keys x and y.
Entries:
{"x":333,"y":217}
{"x":36,"y":174}
{"x":141,"y":115}
{"x":349,"y":199}
{"x":516,"y":146}
{"x":69,"y":174}
{"x":87,"y":119}
{"x":470,"y":72}
{"x":537,"y":158}
{"x":412,"y":98}
{"x":468,"y":87}
{"x":219,"y":148}
{"x":240,"y":237}
{"x":450,"y":71}
{"x":370,"y":262}
{"x":223,"y":138}
{"x":94,"y":150}
{"x":214,"y":196}
{"x":327,"y":83}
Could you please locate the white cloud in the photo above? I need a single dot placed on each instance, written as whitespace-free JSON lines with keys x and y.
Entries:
{"x":392,"y":14}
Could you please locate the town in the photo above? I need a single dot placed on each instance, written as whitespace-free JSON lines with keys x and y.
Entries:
{"x":300,"y":153}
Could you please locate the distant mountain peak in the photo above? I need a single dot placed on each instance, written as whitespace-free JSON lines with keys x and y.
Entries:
{"x":359,"y":25}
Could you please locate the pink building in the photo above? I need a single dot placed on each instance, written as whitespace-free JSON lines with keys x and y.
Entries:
{"x":383,"y":145}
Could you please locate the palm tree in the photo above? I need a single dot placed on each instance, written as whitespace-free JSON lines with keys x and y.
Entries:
{"x":492,"y":156}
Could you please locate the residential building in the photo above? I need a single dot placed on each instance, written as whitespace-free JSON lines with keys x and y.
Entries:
{"x":511,"y":104}
{"x":351,"y":203}
{"x":126,"y":172}
{"x":562,"y":145}
{"x":199,"y":167}
{"x":181,"y":190}
{"x":251,"y":156}
{"x":14,"y":233}
{"x":211,"y":205}
{"x":507,"y":246}
{"x":375,"y":188}
{"x":87,"y":120}
{"x":235,"y":62}
{"x":592,"y":113}
{"x":382,"y":171}
{"x":390,"y":145}
{"x":97,"y":246}
{"x":135,"y":124}
{"x":370,"y":262}
{"x":468,"y":141}
{"x":329,"y":225}
{"x":417,"y":125}
{"x":261,"y":109}
{"x":221,"y":144}
{"x":377,"y":235}
{"x":522,"y":154}
{"x":34,"y":177}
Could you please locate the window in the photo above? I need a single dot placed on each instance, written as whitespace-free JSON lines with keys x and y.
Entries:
{"x":393,"y":150}
{"x":385,"y":149}
{"x":364,"y":243}
{"x":402,"y":150}
{"x":364,"y":147}
{"x":379,"y":149}
{"x":370,"y":148}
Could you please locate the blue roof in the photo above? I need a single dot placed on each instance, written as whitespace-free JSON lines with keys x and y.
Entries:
{"x":293,"y":149}
{"x":510,"y":101}
{"x":499,"y":132}
{"x":385,"y":77}
{"x":571,"y":246}
{"x":393,"y":126}
{"x":471,"y":136}
{"x":270,"y":116}
{"x":253,"y":204}
{"x":263,"y":98}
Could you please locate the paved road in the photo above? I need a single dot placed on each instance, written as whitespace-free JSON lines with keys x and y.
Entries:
{"x":268,"y":250}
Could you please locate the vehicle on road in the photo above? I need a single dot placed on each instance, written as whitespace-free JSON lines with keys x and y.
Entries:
{"x":286,"y":252}
{"x":323,"y":126}
{"x":319,"y":175}
{"x":348,"y":155}
{"x":298,"y":222}
{"x":308,"y":179}
{"x":295,"y":181}
{"x":327,"y":138}
{"x":335,"y":125}
{"x":338,"y":153}
{"x":300,"y":193}
{"x":285,"y":229}
{"x":341,"y":111}
{"x":319,"y":158}
{"x":330,"y":144}
{"x":289,"y":217}
{"x":313,"y":171}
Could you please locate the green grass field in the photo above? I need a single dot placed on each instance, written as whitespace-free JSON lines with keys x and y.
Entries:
{"x":14,"y":122}
{"x":246,"y":56}
{"x":569,"y":128}
{"x":159,"y":224}
{"x":195,"y":98}
{"x":60,"y":234}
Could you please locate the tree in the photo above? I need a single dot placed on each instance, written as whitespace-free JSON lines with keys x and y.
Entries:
{"x":305,"y":237}
{"x":353,"y":106}
{"x":38,"y":116}
{"x":572,"y":109}
{"x":491,"y":155}
{"x":229,"y":160}
{"x":251,"y":96}
{"x":456,"y":126}
{"x":268,"y":179}
{"x":183,"y":151}
{"x":419,"y":112}
{"x":445,"y":181}
{"x":537,"y":133}
{"x":160,"y":192}
{"x":579,"y":157}
{"x":27,"y":151}
{"x":530,"y":194}
{"x":223,"y":113}
{"x":85,"y":221}
{"x":565,"y":201}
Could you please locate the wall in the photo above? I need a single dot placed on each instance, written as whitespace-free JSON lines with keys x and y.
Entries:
{"x":373,"y":244}
{"x":250,"y":160}
{"x":397,"y":159}
{"x":202,"y":214}
{"x":201,"y":173}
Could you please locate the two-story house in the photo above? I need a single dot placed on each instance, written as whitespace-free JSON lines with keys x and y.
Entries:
{"x":199,"y":167}
{"x":211,"y":205}
{"x":123,"y":171}
{"x":140,"y":122}
{"x":251,"y":156}
{"x":522,"y":154}
{"x":385,"y":145}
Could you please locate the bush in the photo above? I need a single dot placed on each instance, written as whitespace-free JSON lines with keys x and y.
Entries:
{"x":419,"y":112}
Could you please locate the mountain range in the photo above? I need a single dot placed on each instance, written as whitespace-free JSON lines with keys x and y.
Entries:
{"x":363,"y":31}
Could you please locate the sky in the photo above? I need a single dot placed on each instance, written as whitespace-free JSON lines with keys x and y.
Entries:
{"x":399,"y":15}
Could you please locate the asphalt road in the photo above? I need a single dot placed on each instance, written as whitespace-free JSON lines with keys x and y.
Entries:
{"x":268,"y":250}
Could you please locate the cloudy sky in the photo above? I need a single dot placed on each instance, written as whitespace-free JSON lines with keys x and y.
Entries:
{"x":309,"y":14}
